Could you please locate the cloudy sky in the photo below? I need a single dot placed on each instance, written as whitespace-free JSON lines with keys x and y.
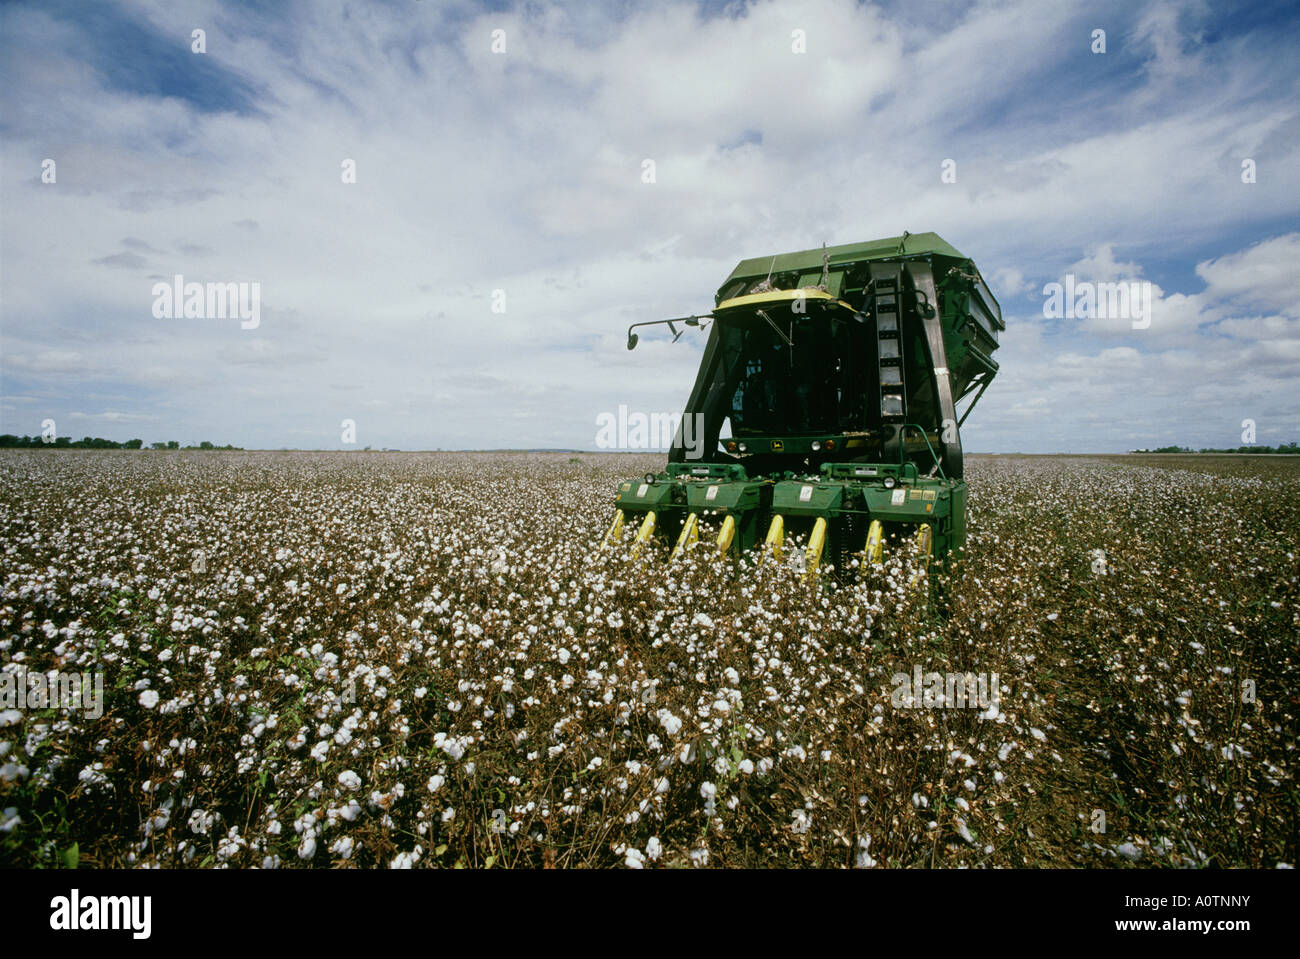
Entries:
{"x":521,"y":171}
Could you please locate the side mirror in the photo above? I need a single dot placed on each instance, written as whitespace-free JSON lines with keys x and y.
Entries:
{"x":632,"y":339}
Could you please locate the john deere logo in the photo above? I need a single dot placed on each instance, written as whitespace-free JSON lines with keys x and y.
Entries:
{"x":777,"y":446}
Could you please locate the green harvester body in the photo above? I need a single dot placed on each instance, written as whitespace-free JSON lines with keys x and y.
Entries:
{"x":839,"y":372}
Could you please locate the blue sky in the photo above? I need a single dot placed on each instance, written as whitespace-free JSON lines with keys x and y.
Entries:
{"x":521,"y":172}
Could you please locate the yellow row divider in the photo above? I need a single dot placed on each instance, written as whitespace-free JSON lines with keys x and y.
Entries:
{"x":816,"y":544}
{"x":875,"y":543}
{"x":775,"y":541}
{"x":924,"y":543}
{"x":690,"y":536}
{"x":615,"y":530}
{"x":726,"y":534}
{"x":644,"y":534}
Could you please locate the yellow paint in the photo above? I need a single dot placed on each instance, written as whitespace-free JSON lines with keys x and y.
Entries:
{"x":813,"y":554}
{"x":923,"y":542}
{"x":776,"y":537}
{"x":645,"y":533}
{"x":727,"y":534}
{"x":690,"y":535}
{"x":778,"y":296}
{"x":615,"y":532}
{"x":875,"y":543}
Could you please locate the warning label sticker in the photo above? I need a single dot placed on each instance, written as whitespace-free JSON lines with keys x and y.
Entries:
{"x":805,"y":494}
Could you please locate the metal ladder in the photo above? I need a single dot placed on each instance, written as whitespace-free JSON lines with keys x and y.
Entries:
{"x":886,"y":301}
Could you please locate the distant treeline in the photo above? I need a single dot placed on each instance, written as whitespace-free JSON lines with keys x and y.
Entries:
{"x":9,"y":441}
{"x":1284,"y":448}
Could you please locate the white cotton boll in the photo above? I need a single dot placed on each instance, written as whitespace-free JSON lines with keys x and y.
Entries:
{"x":435,"y":783}
{"x":448,"y":814}
{"x":864,"y":859}
{"x":405,"y":860}
{"x":10,"y":717}
{"x":148,"y":699}
{"x":634,"y":858}
{"x":563,"y":655}
{"x":746,"y":766}
{"x":731,"y":675}
{"x":653,"y":849}
{"x":349,"y":780}
{"x":307,"y":848}
{"x":1038,"y":734}
{"x":699,"y":857}
{"x":708,"y":790}
{"x":672,"y":725}
{"x":320,"y":751}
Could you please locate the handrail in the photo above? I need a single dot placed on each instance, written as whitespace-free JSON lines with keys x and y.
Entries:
{"x":903,"y":431}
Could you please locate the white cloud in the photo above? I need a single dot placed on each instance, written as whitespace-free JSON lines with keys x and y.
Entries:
{"x":522,"y":172}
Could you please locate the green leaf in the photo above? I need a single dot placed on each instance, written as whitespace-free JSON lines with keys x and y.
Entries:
{"x":736,"y":754}
{"x":72,"y":856}
{"x":489,"y":861}
{"x":440,"y":850}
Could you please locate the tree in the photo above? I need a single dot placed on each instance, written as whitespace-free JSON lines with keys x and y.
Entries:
{"x":173,"y":445}
{"x":157,"y":446}
{"x":132,"y":444}
{"x":206,"y":445}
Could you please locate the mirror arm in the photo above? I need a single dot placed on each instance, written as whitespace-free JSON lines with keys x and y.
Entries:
{"x":688,"y":320}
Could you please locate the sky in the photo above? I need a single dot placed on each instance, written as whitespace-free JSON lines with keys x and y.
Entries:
{"x":473,"y":286}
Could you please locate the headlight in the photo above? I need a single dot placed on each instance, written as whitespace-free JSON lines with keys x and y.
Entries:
{"x":816,"y":446}
{"x":744,"y":448}
{"x":890,"y":482}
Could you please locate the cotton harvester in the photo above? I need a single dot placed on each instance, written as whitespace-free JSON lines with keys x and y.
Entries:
{"x":839,"y":372}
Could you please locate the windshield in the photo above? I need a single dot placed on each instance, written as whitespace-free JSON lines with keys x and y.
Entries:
{"x":798,"y":373}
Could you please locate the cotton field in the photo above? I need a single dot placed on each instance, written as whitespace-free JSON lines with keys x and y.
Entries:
{"x":396,"y":660}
